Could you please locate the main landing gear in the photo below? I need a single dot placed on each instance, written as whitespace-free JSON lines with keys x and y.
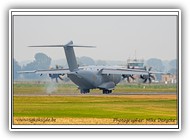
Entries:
{"x":84,"y":91}
{"x":105,"y":91}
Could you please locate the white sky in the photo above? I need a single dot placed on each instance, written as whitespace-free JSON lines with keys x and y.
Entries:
{"x":115,"y":37}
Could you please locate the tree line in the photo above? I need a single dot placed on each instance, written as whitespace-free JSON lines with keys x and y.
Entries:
{"x":42,"y":61}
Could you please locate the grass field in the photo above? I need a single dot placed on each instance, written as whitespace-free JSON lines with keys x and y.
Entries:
{"x":90,"y":109}
{"x":71,"y":88}
{"x":99,"y":107}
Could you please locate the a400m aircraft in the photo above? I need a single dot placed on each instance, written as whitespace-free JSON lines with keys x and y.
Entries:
{"x":86,"y":78}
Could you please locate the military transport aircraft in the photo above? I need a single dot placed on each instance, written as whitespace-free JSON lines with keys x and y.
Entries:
{"x":86,"y":78}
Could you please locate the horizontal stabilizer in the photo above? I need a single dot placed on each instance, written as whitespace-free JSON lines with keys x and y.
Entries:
{"x":47,"y":46}
{"x":51,"y":71}
{"x":80,"y":46}
{"x":70,"y":44}
{"x":54,"y":46}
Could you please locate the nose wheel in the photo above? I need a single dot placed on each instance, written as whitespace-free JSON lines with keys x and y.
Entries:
{"x":105,"y":91}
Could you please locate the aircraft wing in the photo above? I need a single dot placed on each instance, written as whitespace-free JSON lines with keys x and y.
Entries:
{"x":156,"y":72}
{"x":51,"y":71}
{"x":124,"y":71}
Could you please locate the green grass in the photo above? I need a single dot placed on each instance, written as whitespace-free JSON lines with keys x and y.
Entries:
{"x":145,"y":88}
{"x":95,"y":107}
{"x":99,"y":106}
{"x":71,"y":88}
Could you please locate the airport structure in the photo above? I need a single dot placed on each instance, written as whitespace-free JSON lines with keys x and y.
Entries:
{"x":135,"y":63}
{"x":169,"y":78}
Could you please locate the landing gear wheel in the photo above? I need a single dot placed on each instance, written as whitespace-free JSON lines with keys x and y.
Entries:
{"x":105,"y":91}
{"x":84,"y":91}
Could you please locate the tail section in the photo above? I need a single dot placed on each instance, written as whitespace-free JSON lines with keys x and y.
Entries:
{"x":69,"y":52}
{"x":70,"y":56}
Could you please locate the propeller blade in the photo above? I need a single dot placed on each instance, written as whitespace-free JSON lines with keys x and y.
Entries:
{"x":60,"y":78}
{"x":152,"y":77}
{"x":56,"y":80}
{"x":145,"y":81}
{"x":150,"y":69}
{"x":132,"y":77}
{"x":128,"y":77}
{"x":145,"y":68}
{"x":142,"y":77}
{"x":150,"y":81}
{"x":128,"y":80}
{"x":57,"y":67}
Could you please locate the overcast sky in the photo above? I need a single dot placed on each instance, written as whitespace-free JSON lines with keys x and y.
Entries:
{"x":115,"y":37}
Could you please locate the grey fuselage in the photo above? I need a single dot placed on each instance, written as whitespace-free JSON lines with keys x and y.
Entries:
{"x":91,"y":79}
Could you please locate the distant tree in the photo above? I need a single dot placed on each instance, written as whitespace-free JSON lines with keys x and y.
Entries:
{"x":78,"y":62}
{"x":172,"y":71}
{"x":173,"y":63}
{"x":101,"y":62}
{"x":16,"y":68}
{"x":156,"y":64}
{"x":86,"y":60}
{"x":42,"y":61}
{"x":173,"y":66}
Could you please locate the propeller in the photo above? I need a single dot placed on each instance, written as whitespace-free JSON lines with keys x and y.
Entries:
{"x":148,"y":77}
{"x":128,"y":76}
{"x":56,"y":76}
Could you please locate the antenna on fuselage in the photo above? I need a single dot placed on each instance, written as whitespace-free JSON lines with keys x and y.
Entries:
{"x":69,"y":52}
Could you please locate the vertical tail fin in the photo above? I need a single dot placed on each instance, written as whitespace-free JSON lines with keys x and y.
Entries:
{"x":70,"y":56}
